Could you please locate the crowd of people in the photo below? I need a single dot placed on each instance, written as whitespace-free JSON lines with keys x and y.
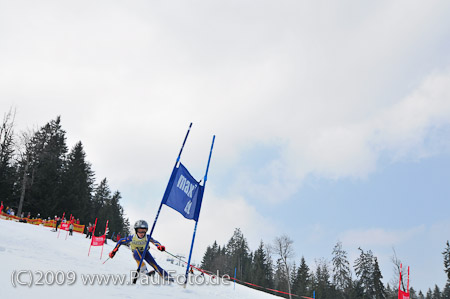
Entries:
{"x":57,"y":220}
{"x":136,"y":242}
{"x":8,"y":210}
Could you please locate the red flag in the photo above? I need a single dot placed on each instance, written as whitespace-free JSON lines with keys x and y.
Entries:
{"x":98,"y":241}
{"x":402,"y":294}
{"x":95,"y":224}
{"x":64,"y":226}
{"x":60,"y":224}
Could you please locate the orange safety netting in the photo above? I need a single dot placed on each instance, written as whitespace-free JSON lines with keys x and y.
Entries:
{"x":48,"y":223}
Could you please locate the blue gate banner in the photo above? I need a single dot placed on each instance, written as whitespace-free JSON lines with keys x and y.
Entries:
{"x":184,"y":194}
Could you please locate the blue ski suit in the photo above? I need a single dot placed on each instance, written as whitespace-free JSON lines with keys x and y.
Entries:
{"x":137,"y":248}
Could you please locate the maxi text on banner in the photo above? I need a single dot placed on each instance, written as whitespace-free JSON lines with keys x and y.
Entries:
{"x":184,"y":194}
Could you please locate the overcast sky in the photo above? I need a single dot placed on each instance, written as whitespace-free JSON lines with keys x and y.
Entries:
{"x":332,"y":118}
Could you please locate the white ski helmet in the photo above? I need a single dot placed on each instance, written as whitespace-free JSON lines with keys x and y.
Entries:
{"x":140,"y":224}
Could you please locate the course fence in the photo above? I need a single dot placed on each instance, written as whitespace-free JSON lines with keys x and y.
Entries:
{"x":48,"y":223}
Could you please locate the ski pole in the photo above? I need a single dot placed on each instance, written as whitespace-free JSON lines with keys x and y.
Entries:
{"x":105,"y":261}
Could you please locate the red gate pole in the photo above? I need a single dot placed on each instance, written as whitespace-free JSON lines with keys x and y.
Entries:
{"x":60,"y":224}
{"x":101,"y":254}
{"x":92,"y":236}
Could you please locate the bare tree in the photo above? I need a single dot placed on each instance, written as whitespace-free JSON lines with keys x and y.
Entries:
{"x":7,"y":136}
{"x":7,"y":155}
{"x":397,"y":262}
{"x":283,"y":247}
{"x":25,"y":156}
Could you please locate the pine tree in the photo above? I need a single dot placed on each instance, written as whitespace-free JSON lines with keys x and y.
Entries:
{"x":446,"y":291}
{"x":215,"y":259}
{"x":322,"y":280}
{"x":390,"y":293}
{"x":207,"y":258}
{"x":302,"y":282}
{"x":48,"y":181}
{"x":292,"y":275}
{"x":281,"y":276}
{"x":101,"y":203}
{"x":221,"y":259}
{"x":421,"y":296}
{"x":380,"y":292}
{"x":358,"y":290}
{"x":117,"y":220}
{"x":260,"y":268}
{"x":238,"y":255}
{"x":364,"y":269}
{"x":44,"y":163}
{"x":446,"y":254}
{"x":269,"y":268}
{"x":78,"y":184}
{"x":342,"y":277}
{"x":437,"y":293}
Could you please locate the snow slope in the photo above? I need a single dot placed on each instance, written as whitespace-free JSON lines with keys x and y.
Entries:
{"x":40,"y":254}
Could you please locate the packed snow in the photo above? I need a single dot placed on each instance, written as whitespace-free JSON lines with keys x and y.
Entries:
{"x":58,"y":267}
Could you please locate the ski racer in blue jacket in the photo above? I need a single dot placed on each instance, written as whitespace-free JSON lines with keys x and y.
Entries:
{"x":137,"y":245}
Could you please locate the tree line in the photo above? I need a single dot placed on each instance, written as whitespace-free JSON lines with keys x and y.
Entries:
{"x":40,"y":175}
{"x":272,"y":266}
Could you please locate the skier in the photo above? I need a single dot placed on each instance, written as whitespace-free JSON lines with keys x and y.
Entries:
{"x":137,"y":245}
{"x":58,"y":222}
{"x":106,"y":234}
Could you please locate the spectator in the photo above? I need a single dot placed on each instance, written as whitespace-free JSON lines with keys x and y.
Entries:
{"x":71,"y":228}
{"x":90,"y":230}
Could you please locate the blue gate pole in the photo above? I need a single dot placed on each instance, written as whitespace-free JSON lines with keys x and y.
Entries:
{"x":160,"y":206}
{"x":196,"y":222}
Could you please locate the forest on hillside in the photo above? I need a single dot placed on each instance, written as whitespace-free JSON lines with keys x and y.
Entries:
{"x":271,"y":266}
{"x":40,"y":175}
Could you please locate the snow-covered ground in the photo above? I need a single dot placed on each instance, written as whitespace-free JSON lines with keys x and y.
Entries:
{"x":28,"y":251}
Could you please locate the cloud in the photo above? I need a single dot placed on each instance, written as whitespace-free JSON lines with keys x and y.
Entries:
{"x":379,"y":237}
{"x":127,"y":82}
{"x":404,"y":128}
